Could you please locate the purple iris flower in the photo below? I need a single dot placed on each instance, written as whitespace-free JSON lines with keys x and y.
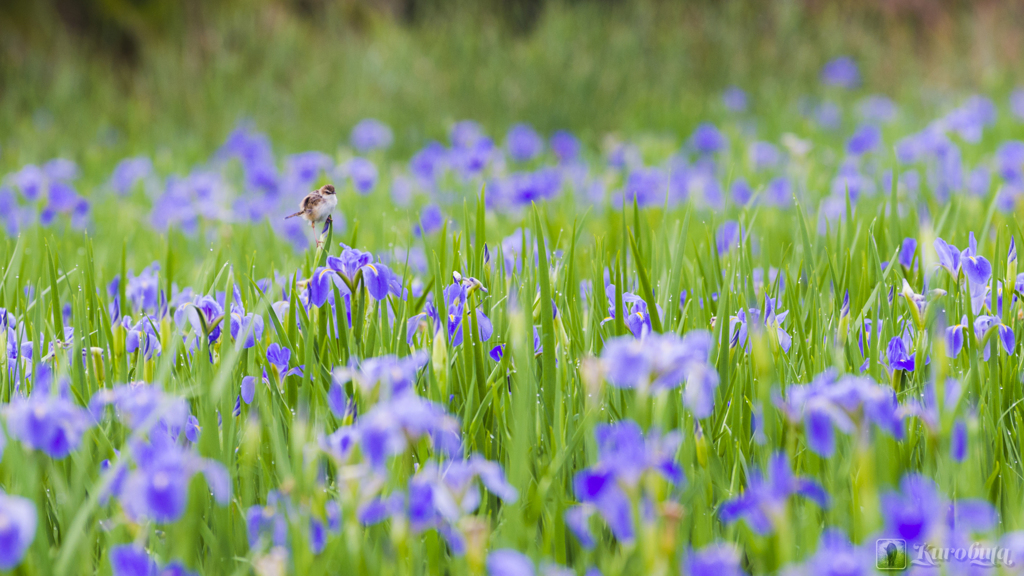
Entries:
{"x":958,"y":441}
{"x":664,"y":362}
{"x":18,"y":521}
{"x":429,"y":163}
{"x":337,"y":400}
{"x":320,"y":288}
{"x":363,"y":173}
{"x":919,"y":513}
{"x":707,"y":139}
{"x":1017,"y":103}
{"x":565,"y":146}
{"x":48,"y":422}
{"x":470,"y":161}
{"x":392,"y":374}
{"x":523,"y":143}
{"x":268,"y":523}
{"x":728,"y":236}
{"x":841,"y":72}
{"x":389,"y":427}
{"x":441,"y":496}
{"x":379,"y":509}
{"x":970,"y":119}
{"x":176,"y":569}
{"x":741,"y":192}
{"x":837,"y":556}
{"x":734,"y":99}
{"x":898,"y":355}
{"x":864,"y":140}
{"x":250,"y":326}
{"x":765,"y":155}
{"x":763,"y":504}
{"x":949,"y":256}
{"x":30,"y":180}
{"x":351,"y":265}
{"x":142,"y":336}
{"x":714,"y":560}
{"x":979,"y":181}
{"x":341,"y":443}
{"x":846,"y":403}
{"x":371,"y":134}
{"x":465,"y":134}
{"x":906,"y":254}
{"x":926,"y":408}
{"x":915,"y":511}
{"x":332,"y":512}
{"x":955,"y":338}
{"x":984,"y":323}
{"x":638,"y":320}
{"x":248,"y":389}
{"x":158,"y":487}
{"x":828,"y":115}
{"x":431,"y":220}
{"x":740,"y":325}
{"x":202,"y":311}
{"x":143,"y":291}
{"x":625,"y":455}
{"x":648,"y":186}
{"x":302,"y":169}
{"x":317,"y":536}
{"x":876,"y":108}
{"x":977,"y":269}
{"x":278,"y":355}
{"x":455,"y":296}
{"x":61,"y":169}
{"x":131,"y":560}
{"x":506,"y":562}
{"x":137,"y":402}
{"x":497,"y":352}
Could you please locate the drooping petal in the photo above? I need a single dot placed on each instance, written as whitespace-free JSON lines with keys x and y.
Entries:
{"x":954,"y":340}
{"x":131,"y":560}
{"x":484,"y":323}
{"x":819,"y":432}
{"x":577,"y":518}
{"x":907,"y":249}
{"x":248,"y":389}
{"x":958,"y":441}
{"x":1006,"y":337}
{"x":977,"y":269}
{"x":949,"y":256}
{"x":18,"y":521}
{"x":507,"y":562}
{"x":377,"y":278}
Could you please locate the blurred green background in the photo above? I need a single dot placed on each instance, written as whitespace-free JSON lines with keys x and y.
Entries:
{"x":98,"y":79}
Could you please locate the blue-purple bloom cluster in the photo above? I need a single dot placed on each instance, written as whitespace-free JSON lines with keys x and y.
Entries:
{"x":705,"y":399}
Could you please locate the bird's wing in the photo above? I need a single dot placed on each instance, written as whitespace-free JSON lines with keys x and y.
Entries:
{"x":310,"y":202}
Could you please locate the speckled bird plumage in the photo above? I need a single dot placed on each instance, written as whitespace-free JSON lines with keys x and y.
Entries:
{"x":316,"y":207}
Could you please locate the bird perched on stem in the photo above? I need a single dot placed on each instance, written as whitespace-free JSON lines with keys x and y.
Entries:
{"x":316,"y":207}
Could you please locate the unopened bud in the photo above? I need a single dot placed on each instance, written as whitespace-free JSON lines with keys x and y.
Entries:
{"x":702,"y":445}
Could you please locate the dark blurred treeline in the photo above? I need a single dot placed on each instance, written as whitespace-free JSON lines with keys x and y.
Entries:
{"x":128,"y":75}
{"x":121,"y":28}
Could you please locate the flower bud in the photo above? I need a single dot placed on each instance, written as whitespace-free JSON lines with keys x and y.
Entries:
{"x":439,"y":360}
{"x":702,"y":445}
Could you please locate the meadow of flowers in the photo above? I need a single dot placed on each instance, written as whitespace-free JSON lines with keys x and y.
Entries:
{"x":710,"y":354}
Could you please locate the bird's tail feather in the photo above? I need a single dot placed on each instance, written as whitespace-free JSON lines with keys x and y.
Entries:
{"x":299,"y":213}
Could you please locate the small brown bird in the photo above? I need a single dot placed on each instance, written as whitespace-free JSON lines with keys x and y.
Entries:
{"x":316,"y":207}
